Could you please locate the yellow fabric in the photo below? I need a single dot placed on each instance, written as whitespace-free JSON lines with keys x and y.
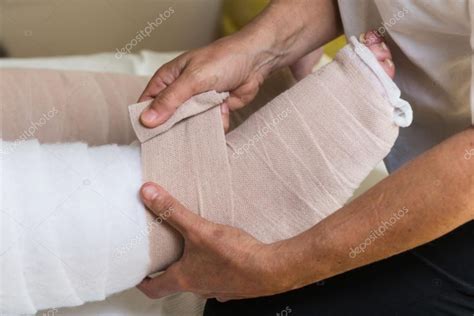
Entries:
{"x":331,"y":48}
{"x":237,"y":13}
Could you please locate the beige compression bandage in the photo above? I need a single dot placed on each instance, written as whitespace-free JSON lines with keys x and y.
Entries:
{"x":292,"y":163}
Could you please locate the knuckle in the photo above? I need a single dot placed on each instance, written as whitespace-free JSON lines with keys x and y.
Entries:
{"x":155,"y":105}
{"x":195,"y":74}
{"x":169,"y":71}
{"x":167,"y":99}
{"x":163,"y":202}
{"x":200,"y":79}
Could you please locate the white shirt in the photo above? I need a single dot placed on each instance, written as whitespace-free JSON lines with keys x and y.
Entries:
{"x":432,"y":43}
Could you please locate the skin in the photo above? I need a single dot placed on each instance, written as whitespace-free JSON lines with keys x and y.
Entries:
{"x":224,"y":262}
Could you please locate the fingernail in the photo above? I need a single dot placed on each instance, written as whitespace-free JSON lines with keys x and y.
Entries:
{"x":149,"y":116}
{"x":362,"y":38}
{"x":224,"y":109}
{"x":389,"y":62}
{"x":384,"y":47}
{"x":149,"y":192}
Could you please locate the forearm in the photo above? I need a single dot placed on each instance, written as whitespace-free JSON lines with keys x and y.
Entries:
{"x":287,"y":30}
{"x":434,"y":193}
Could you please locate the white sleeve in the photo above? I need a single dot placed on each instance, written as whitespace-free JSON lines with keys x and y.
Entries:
{"x":72,"y":228}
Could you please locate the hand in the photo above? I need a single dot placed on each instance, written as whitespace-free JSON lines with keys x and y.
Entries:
{"x":218,"y":260}
{"x":304,"y":66}
{"x":230,"y":64}
{"x":240,"y":62}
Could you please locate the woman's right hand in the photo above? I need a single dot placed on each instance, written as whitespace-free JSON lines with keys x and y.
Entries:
{"x":278,"y":37}
{"x":228,"y":64}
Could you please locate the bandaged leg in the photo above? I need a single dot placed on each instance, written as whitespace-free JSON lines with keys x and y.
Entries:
{"x":301,"y":157}
{"x":67,"y":106}
{"x":292,"y":163}
{"x":73,"y":229}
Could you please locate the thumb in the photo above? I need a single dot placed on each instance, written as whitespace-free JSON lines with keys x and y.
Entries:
{"x":162,"y":204}
{"x":162,"y":285}
{"x":168,"y":100}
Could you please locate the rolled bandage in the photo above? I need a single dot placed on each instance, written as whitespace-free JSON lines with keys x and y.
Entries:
{"x":292,"y":163}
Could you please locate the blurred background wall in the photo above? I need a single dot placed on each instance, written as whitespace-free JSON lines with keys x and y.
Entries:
{"x":64,"y":27}
{"x":34,"y":28}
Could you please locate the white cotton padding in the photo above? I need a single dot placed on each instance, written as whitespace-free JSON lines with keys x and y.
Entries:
{"x":72,"y":229}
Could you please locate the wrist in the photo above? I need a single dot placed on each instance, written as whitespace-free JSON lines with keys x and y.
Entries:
{"x":278,"y":272}
{"x":285,"y":32}
{"x":261,"y":49}
{"x":274,"y":38}
{"x":295,"y":261}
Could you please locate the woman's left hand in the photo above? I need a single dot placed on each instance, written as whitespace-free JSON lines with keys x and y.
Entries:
{"x":218,"y":261}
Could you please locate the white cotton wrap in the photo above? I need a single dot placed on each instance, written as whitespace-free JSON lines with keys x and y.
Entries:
{"x":73,"y":229}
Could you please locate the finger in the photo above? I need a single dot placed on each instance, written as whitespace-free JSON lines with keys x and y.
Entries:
{"x":225,"y":116}
{"x":161,"y":203}
{"x":168,"y":100}
{"x":154,"y":86}
{"x":162,"y":285}
{"x":163,"y":77}
{"x":242,"y":96}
